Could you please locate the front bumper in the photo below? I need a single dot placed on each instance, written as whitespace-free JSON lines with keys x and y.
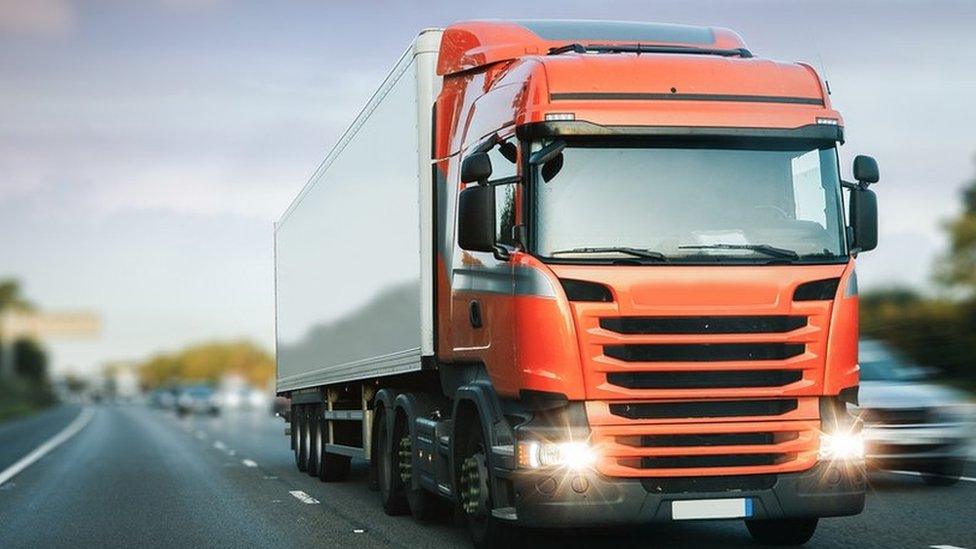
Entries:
{"x":591,"y":500}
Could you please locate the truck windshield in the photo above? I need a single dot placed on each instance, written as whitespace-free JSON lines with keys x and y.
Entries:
{"x":690,"y":203}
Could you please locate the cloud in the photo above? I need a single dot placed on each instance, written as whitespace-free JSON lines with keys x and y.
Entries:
{"x":36,"y":17}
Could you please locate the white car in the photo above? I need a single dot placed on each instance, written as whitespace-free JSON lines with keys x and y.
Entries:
{"x":910,"y":423}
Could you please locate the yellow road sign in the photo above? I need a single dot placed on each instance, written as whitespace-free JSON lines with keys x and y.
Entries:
{"x":43,"y":325}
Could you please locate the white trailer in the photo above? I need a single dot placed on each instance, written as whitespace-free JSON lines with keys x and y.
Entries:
{"x":354,"y":251}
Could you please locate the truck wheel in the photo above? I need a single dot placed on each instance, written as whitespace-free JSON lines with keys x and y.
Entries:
{"x":301,"y":448}
{"x":943,"y":473}
{"x":475,"y":497}
{"x":424,"y":506}
{"x":782,"y":531}
{"x":392,"y":493}
{"x":315,"y":445}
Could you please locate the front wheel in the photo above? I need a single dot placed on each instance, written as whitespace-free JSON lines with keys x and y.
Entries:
{"x":474,"y":483}
{"x":782,"y":531}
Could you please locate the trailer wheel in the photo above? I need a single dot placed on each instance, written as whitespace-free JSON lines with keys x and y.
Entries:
{"x":475,"y":493}
{"x":315,"y":445}
{"x":392,"y":493}
{"x":782,"y":531}
{"x":301,"y":448}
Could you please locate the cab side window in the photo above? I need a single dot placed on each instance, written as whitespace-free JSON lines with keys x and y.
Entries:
{"x":504,"y":157}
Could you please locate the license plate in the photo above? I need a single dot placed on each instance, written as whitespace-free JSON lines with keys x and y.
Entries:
{"x":691,"y":509}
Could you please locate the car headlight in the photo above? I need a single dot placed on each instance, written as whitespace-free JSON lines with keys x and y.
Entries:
{"x":841,"y":446}
{"x":571,"y":455}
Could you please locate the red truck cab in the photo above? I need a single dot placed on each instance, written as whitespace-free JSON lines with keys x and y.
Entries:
{"x":642,"y":254}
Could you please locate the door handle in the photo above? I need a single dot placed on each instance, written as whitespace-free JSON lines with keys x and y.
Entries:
{"x":474,"y":314}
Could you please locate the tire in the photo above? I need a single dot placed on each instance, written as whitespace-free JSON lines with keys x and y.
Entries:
{"x":315,"y":445}
{"x":301,"y":446}
{"x":424,"y":506}
{"x":486,"y":531}
{"x":943,"y":473}
{"x":782,"y":531}
{"x":392,"y":493}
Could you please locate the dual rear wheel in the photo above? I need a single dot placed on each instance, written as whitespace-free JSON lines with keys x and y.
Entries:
{"x":311,"y":433}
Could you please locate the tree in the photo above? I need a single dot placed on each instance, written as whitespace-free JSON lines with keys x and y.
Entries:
{"x":30,"y":361}
{"x":11,"y":296}
{"x":957,"y":270}
{"x":209,"y":362}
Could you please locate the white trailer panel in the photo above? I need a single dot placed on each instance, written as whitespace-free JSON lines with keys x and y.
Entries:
{"x":353,"y":253}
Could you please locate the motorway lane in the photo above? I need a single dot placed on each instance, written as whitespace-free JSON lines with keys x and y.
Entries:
{"x":136,"y":476}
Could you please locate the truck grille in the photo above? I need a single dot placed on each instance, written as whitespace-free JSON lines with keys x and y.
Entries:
{"x":727,"y":460}
{"x":703,"y":352}
{"x":704,"y":380}
{"x":692,"y":448}
{"x":703,"y":409}
{"x":704,"y":387}
{"x":769,"y":324}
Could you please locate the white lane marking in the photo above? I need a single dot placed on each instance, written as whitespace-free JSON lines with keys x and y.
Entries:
{"x":303,"y":497}
{"x":358,"y":531}
{"x":71,"y":430}
{"x":220,"y":445}
{"x":249,"y":463}
{"x":945,"y":547}
{"x":917,"y":474}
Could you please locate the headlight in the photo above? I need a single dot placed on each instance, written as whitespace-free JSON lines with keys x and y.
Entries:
{"x":572,"y":455}
{"x":841,"y":446}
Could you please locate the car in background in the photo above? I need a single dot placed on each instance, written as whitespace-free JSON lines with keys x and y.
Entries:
{"x":910,"y":423}
{"x":198,"y":399}
{"x":243,"y":397}
{"x":164,"y":399}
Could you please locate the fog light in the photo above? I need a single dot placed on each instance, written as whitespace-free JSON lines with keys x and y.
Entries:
{"x":572,"y":455}
{"x":841,"y":446}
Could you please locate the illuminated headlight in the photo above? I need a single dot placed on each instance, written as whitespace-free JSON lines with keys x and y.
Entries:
{"x":571,"y":455}
{"x":841,"y":446}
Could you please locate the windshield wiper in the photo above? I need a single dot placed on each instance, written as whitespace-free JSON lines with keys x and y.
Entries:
{"x":636,"y":252}
{"x":761,"y":248}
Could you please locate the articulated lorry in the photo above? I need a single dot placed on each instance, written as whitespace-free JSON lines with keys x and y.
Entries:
{"x":570,"y":274}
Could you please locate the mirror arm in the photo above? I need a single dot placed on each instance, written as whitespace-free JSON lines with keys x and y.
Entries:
{"x":502,"y":252}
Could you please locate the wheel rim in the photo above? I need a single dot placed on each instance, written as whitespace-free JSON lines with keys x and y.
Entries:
{"x":474,"y":487}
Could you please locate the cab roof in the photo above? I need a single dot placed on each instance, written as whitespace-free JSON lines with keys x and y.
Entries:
{"x":471,"y":44}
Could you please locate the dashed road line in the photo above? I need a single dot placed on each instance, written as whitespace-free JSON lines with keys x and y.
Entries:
{"x":945,"y":547}
{"x":303,"y":497}
{"x":71,"y":430}
{"x":917,"y":474}
{"x":249,"y":463}
{"x":220,"y":445}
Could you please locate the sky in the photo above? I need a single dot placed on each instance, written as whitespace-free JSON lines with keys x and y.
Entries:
{"x":146,"y":147}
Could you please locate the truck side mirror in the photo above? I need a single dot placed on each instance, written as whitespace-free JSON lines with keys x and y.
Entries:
{"x":864,"y":219}
{"x":865,"y":170}
{"x":476,"y":167}
{"x":476,"y":218}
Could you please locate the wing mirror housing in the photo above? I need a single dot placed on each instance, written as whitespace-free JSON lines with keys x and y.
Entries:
{"x":865,"y":170}
{"x":476,"y":217}
{"x":864,"y":219}
{"x":476,"y":168}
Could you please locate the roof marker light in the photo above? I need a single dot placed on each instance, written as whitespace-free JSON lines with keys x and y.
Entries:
{"x":828,"y":121}
{"x":559,"y":116}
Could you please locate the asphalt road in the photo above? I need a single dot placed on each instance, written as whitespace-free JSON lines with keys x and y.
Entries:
{"x":140,"y":477}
